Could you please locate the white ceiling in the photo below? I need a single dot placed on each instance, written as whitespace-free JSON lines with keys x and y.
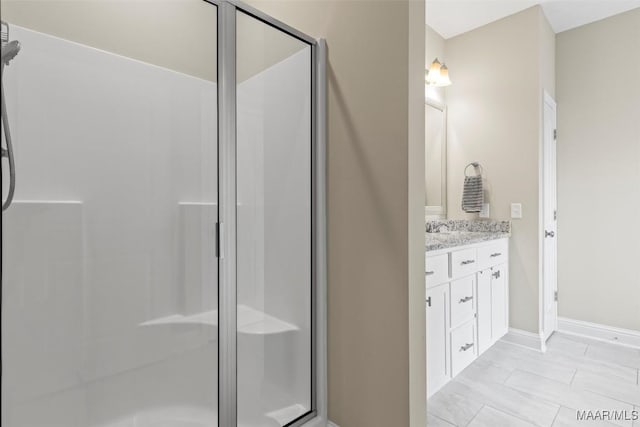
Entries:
{"x":452,"y":17}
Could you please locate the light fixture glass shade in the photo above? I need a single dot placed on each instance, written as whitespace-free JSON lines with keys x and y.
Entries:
{"x":443,"y":79}
{"x":434,"y":72}
{"x":437,"y":75}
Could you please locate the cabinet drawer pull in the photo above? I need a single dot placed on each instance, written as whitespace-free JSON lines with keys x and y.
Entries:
{"x":466,"y":347}
{"x":496,"y":274}
{"x":429,"y":273}
{"x":465,"y":299}
{"x":469,"y":261}
{"x":495,"y":254}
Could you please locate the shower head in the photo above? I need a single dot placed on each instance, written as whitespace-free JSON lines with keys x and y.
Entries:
{"x":9,"y":51}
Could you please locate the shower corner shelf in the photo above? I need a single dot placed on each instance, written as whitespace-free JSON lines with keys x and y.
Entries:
{"x":250,"y":321}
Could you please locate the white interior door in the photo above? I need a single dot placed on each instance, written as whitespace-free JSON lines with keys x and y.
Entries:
{"x":550,"y":246}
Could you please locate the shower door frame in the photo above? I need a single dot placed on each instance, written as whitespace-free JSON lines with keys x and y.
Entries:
{"x":227,"y":196}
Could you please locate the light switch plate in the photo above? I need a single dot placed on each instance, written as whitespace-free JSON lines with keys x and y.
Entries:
{"x":486,"y":211}
{"x":516,"y":210}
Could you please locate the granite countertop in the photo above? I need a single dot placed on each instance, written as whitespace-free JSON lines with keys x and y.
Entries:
{"x":451,"y":239}
{"x":443,"y":234}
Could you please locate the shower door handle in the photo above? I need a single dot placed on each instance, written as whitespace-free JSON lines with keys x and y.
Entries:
{"x":219,"y":240}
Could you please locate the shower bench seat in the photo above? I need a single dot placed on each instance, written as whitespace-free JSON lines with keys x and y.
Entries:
{"x":250,"y":321}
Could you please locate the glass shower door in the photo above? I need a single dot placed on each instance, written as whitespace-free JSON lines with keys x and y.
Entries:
{"x":109,"y":270}
{"x":274,"y":224}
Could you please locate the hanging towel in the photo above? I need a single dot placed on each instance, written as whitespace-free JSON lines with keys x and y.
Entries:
{"x":472,"y":194}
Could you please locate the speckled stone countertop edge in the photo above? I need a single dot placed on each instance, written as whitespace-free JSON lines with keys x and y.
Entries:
{"x":478,"y":225}
{"x":438,"y":241}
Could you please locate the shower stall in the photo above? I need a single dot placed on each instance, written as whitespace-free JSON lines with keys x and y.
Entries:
{"x":163,"y":253}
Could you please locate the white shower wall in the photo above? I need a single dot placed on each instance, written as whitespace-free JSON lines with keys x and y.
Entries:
{"x":116,"y":175}
{"x":109,"y":271}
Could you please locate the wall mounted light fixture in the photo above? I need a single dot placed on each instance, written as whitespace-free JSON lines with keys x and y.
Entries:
{"x":437,"y":75}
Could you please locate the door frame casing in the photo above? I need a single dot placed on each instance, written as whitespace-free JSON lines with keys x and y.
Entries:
{"x":547,"y":99}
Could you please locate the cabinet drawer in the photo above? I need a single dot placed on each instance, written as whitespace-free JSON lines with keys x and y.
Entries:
{"x":462,"y":300}
{"x":463,"y":347}
{"x":436,"y":269}
{"x":463,"y":263}
{"x":493,"y":254}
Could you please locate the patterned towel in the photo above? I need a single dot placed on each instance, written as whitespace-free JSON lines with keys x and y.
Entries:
{"x":472,"y":194}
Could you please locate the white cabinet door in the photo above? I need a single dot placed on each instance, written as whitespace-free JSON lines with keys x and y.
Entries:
{"x":499,"y":302}
{"x":438,"y":370}
{"x":483,"y":292}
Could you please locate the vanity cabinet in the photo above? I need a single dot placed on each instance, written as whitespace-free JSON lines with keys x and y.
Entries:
{"x":492,"y":306}
{"x":499,"y":303}
{"x":484,"y":315}
{"x":467,"y":306}
{"x":462,"y":304}
{"x":438,"y":336}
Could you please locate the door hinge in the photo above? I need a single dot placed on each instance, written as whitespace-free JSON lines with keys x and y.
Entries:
{"x":555,"y":134}
{"x":555,"y":296}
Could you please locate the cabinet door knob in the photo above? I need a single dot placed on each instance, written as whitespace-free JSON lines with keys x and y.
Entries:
{"x":466,"y":347}
{"x":496,"y":274}
{"x":465,"y":299}
{"x":549,"y":233}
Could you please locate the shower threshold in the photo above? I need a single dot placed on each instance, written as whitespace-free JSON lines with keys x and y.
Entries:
{"x":186,"y":416}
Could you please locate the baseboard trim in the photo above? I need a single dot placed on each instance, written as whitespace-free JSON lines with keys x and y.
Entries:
{"x":609,"y":334}
{"x":524,"y":339}
{"x":331,"y":424}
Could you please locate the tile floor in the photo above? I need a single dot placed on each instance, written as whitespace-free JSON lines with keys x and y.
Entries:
{"x":511,"y":385}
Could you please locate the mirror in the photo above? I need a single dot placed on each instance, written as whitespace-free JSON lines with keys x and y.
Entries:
{"x":435,"y":152}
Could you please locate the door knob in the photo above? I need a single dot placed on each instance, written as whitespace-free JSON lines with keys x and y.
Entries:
{"x":549,"y":233}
